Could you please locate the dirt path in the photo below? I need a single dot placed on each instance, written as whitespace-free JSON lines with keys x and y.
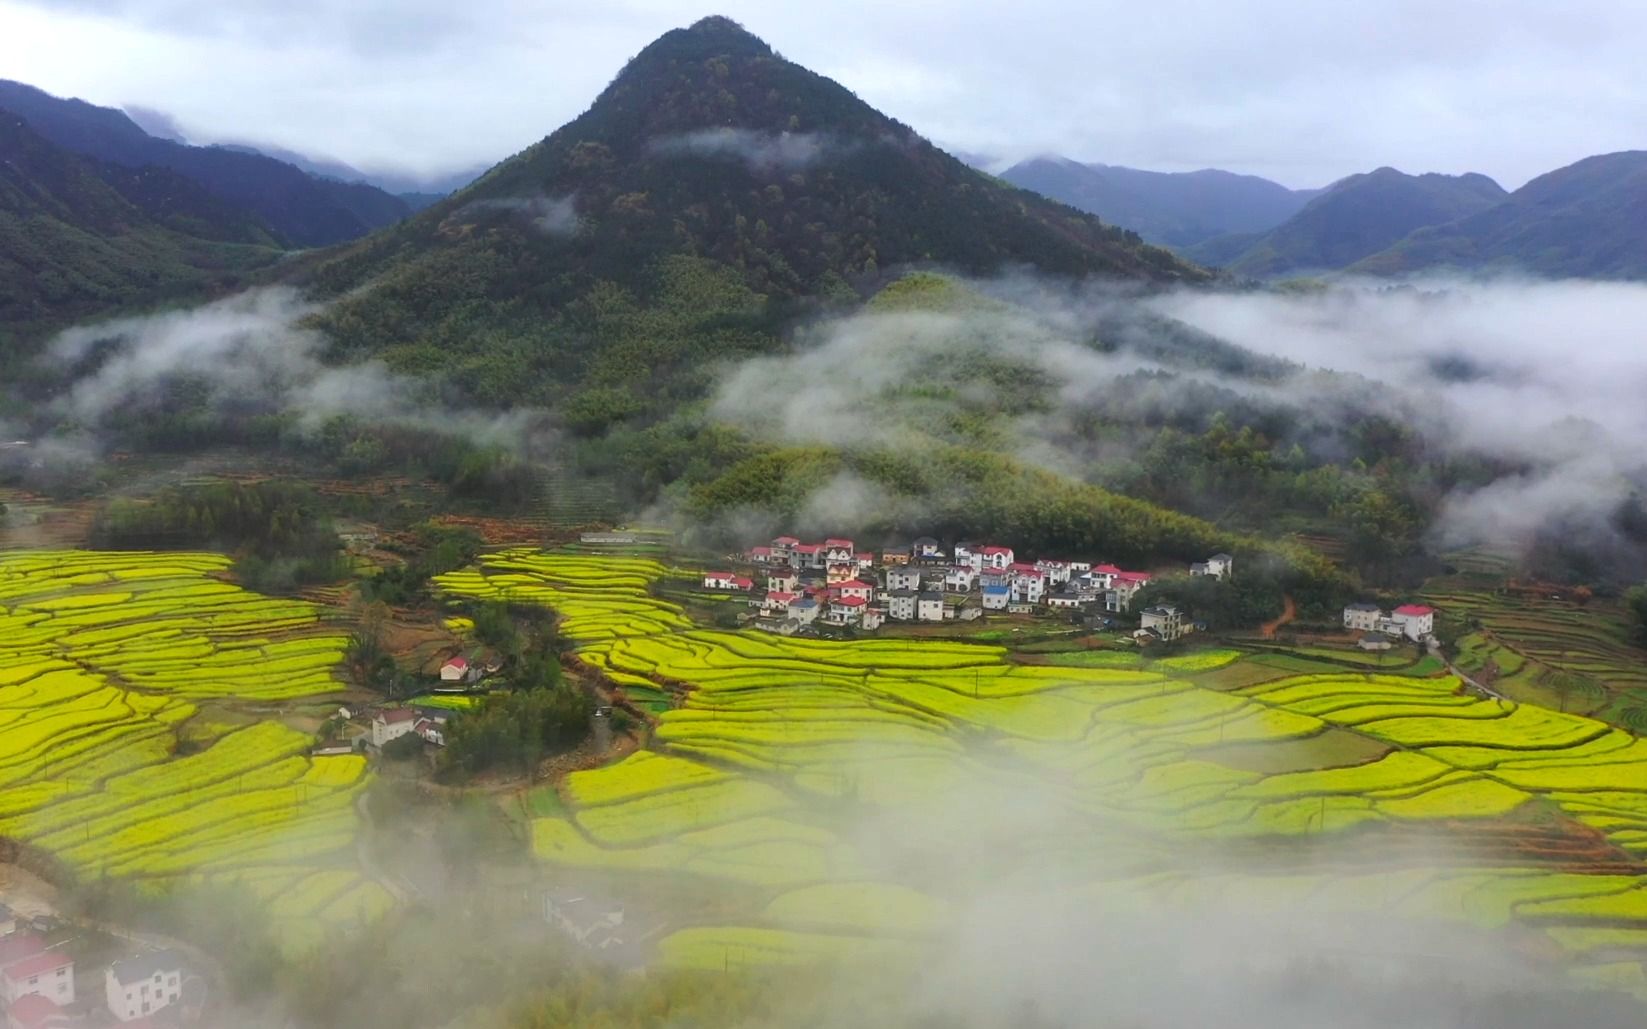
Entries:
{"x":1289,"y":611}
{"x":1435,"y":652}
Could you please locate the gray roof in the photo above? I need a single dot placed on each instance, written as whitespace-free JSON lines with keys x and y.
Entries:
{"x":803,"y":602}
{"x":1166,"y":610}
{"x":1375,"y":637}
{"x":902,"y":593}
{"x":1220,"y":557}
{"x":1362,"y":607}
{"x":937,"y":597}
{"x":146,"y":966}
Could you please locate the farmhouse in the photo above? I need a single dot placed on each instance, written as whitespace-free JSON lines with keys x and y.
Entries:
{"x":1362,"y":617}
{"x":1028,"y":584}
{"x":929,"y":607}
{"x":1065,"y":599}
{"x":784,"y":580}
{"x":36,"y":970}
{"x":1416,"y":620}
{"x":1124,"y":586}
{"x":927,"y":549}
{"x":1164,"y":620}
{"x":858,"y":589}
{"x":1375,"y":641}
{"x":432,"y":730}
{"x":996,"y":598}
{"x":455,"y":670}
{"x":391,"y":724}
{"x":140,"y":986}
{"x":717,"y":580}
{"x":998,"y":558}
{"x":1219,"y":566}
{"x":960,"y":579}
{"x":893,"y":556}
{"x":839,"y":551}
{"x":1057,"y":572}
{"x":903,"y":578}
{"x":900,"y":605}
{"x":804,"y":610}
{"x":807,"y":555}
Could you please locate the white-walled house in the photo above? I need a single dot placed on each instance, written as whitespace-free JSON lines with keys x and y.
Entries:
{"x":1417,"y":620}
{"x":966,"y":555}
{"x":1057,"y":572}
{"x":857,"y":589}
{"x":391,"y":724}
{"x":929,"y":607}
{"x":455,"y":670}
{"x":900,"y":605}
{"x":1126,"y":586}
{"x":1165,"y":620}
{"x":1065,"y":599}
{"x":1028,"y":586}
{"x":997,"y":558}
{"x":1362,"y":617}
{"x":926,"y":549}
{"x":996,"y":598}
{"x":807,"y":555}
{"x":1103,"y":576}
{"x":717,"y":580}
{"x":873,"y":616}
{"x":1218,"y":566}
{"x":960,"y":579}
{"x":904,"y":578}
{"x":804,"y":610}
{"x":784,"y":580}
{"x":839,"y":550}
{"x":45,"y":973}
{"x":137,"y":987}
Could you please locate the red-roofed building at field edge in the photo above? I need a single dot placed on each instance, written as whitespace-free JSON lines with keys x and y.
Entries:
{"x":36,"y":1012}
{"x":1417,"y":620}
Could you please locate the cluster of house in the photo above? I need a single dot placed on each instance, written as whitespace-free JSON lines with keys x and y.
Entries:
{"x":37,"y":982}
{"x":391,"y":723}
{"x":793,"y":584}
{"x":1380,"y":631}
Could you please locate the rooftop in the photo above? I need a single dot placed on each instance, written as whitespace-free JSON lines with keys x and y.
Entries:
{"x":32,"y":1009}
{"x":1361,"y":607}
{"x":147,"y":966}
{"x":1415,"y":610}
{"x":396,"y":715}
{"x":37,"y":965}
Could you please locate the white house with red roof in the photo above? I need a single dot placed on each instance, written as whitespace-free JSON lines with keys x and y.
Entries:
{"x":32,"y":968}
{"x":1057,"y":572}
{"x":431,"y":730}
{"x":856,"y":588}
{"x":717,"y":580}
{"x":1124,"y":586}
{"x":839,"y":550}
{"x":760,"y":555}
{"x":807,"y":555}
{"x":844,"y":610}
{"x":997,"y":558}
{"x":392,"y":723}
{"x":1028,"y":584}
{"x":1416,"y":620}
{"x":776,"y":602}
{"x":960,"y":579}
{"x":864,"y":559}
{"x":455,"y":670}
{"x":784,"y":580}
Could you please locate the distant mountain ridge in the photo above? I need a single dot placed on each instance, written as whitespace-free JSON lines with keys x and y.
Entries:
{"x":1176,"y":209}
{"x":1353,"y":219}
{"x":78,"y":235}
{"x":305,"y":210}
{"x":1588,"y":219}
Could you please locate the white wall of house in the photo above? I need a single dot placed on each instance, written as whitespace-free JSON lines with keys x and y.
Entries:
{"x":929,"y":610}
{"x":1362,"y":619}
{"x":131,"y":1001}
{"x":383,"y":730}
{"x":56,"y":985}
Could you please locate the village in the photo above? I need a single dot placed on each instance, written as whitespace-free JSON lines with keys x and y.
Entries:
{"x":804,"y":588}
{"x":42,"y":987}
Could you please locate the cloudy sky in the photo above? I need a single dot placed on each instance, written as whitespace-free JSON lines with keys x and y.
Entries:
{"x":1303,"y":91}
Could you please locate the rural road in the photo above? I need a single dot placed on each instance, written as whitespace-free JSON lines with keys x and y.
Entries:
{"x":1435,"y":652}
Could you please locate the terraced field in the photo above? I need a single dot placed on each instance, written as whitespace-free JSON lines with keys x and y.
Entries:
{"x":103,"y":660}
{"x":856,"y":793}
{"x":1551,"y":652}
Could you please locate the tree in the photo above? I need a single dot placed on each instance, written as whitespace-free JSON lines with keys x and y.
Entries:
{"x":1635,"y":607}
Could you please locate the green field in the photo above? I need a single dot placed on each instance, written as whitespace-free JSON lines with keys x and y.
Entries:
{"x":104,"y":658}
{"x":1550,"y":652}
{"x":785,"y":746}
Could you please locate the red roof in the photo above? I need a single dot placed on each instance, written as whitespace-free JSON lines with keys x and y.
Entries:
{"x":785,"y":541}
{"x":808,"y":548}
{"x":866,"y":555}
{"x":457,"y":662}
{"x":423,"y":725}
{"x":18,"y":946}
{"x":760,"y":550}
{"x":1133,"y":576}
{"x":838,"y":543}
{"x":852,"y":601}
{"x":1106,"y":569}
{"x":37,"y":965}
{"x":995,"y":550}
{"x":739,"y":582}
{"x":32,"y":1009}
{"x":853,"y":584}
{"x":1021,"y":566}
{"x":1417,"y":610}
{"x":396,"y":715}
{"x":717,"y":575}
{"x":779,"y":597}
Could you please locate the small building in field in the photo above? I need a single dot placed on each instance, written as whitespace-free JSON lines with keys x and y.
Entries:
{"x":929,"y":607}
{"x":431,"y":730}
{"x":1065,"y":599}
{"x":996,"y":598}
{"x":717,"y":580}
{"x":392,"y":723}
{"x":1362,"y":617}
{"x":140,"y":986}
{"x":760,"y":555}
{"x":455,"y":670}
{"x":1165,"y":620}
{"x":1416,"y":620}
{"x":901,"y":605}
{"x":1376,"y":641}
{"x":741,"y":584}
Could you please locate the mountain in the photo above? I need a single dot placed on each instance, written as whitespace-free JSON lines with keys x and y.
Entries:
{"x":711,"y":192}
{"x":78,"y":236}
{"x":305,"y":210}
{"x":1588,"y":219}
{"x":1354,"y":218}
{"x":405,"y":185}
{"x":1172,"y":208}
